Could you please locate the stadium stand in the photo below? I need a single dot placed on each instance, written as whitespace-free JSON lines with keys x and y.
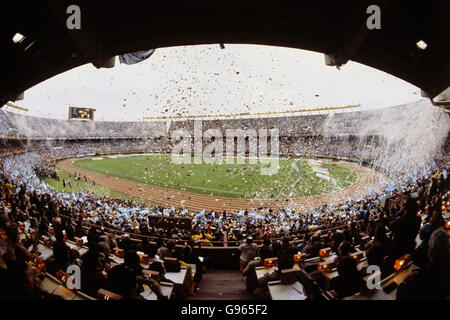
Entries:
{"x":319,"y":254}
{"x":326,"y":250}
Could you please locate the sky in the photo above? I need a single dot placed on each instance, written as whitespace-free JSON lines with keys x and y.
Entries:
{"x":205,"y":80}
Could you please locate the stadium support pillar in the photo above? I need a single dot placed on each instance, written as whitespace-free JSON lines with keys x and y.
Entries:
{"x":443,"y":99}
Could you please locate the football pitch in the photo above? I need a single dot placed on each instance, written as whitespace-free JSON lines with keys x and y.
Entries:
{"x":294,"y":179}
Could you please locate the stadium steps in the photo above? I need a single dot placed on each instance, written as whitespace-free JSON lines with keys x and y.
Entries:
{"x":222,"y":285}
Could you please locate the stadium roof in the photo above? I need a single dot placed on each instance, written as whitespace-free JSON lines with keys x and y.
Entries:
{"x":43,"y":46}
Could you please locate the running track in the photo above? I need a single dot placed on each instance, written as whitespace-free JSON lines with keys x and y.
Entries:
{"x":367,"y":179}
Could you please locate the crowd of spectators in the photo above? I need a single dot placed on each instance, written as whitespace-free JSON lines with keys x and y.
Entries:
{"x":14,"y":124}
{"x":339,"y":123}
{"x":394,"y":232}
{"x":25,"y":197}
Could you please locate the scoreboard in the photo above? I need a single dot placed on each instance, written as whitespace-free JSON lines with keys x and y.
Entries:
{"x":81,"y":113}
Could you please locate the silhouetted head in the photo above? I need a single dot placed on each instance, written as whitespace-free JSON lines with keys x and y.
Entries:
{"x":286,"y":261}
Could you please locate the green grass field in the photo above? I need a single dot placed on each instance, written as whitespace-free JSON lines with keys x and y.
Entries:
{"x":228,"y":180}
{"x":87,"y":187}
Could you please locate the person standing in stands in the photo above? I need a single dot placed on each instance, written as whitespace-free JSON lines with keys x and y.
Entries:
{"x":420,"y":255}
{"x":167,"y":251}
{"x":336,"y":239}
{"x":60,"y":251}
{"x":344,"y":250}
{"x":266,"y":246}
{"x":92,"y":276}
{"x":249,"y":273}
{"x":433,"y":281}
{"x":287,"y":247}
{"x":349,"y":280}
{"x":248,"y":252}
{"x":404,"y":229}
{"x":189,"y":257}
{"x":8,"y":186}
{"x":79,"y":231}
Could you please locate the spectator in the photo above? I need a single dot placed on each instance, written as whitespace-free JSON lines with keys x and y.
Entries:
{"x":314,"y":245}
{"x":178,"y":289}
{"x":433,"y":281}
{"x":405,"y":228}
{"x":420,"y":255}
{"x":287,"y":247}
{"x":344,"y":250}
{"x":168,"y":251}
{"x":61,"y":251}
{"x":248,"y":252}
{"x":349,"y":279}
{"x":92,"y":276}
{"x":284,"y":262}
{"x":249,"y":273}
{"x":321,"y":279}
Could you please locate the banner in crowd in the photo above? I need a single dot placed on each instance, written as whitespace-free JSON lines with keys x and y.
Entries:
{"x":321,"y":170}
{"x":314,"y":163}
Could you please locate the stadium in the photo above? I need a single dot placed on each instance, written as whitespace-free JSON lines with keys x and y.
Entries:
{"x":298,"y":204}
